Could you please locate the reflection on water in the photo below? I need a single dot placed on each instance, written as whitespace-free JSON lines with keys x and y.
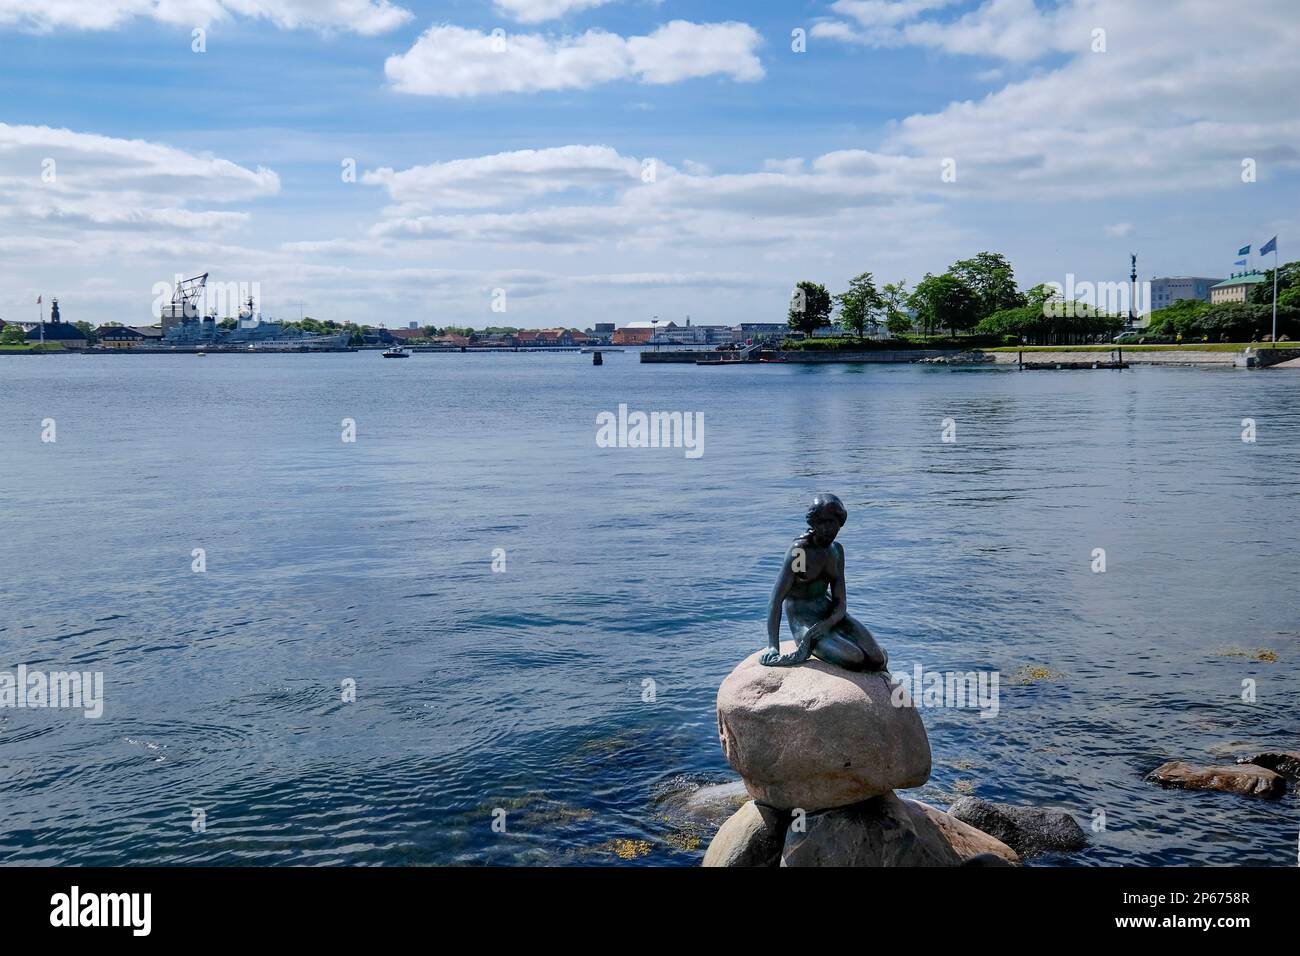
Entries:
{"x":522,"y":691}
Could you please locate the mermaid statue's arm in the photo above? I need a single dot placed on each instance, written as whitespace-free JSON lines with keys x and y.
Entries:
{"x":841,"y":605}
{"x":773,"y":656}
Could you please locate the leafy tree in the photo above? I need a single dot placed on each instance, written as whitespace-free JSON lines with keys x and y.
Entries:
{"x":944,"y":301}
{"x":893,"y":299}
{"x":810,"y":307}
{"x":991,"y":280}
{"x":1182,"y":316}
{"x":1040,"y":294}
{"x":88,"y":331}
{"x":1235,"y":321}
{"x":1288,"y":277}
{"x":12,"y":334}
{"x":860,"y":304}
{"x":1060,"y":323}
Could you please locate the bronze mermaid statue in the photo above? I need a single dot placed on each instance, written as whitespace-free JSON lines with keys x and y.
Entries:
{"x":811,"y":590}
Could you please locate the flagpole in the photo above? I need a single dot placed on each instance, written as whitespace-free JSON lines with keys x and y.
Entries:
{"x":1275,"y":293}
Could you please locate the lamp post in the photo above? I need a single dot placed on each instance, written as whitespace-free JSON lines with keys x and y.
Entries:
{"x":1133,"y":287}
{"x":654,"y":331}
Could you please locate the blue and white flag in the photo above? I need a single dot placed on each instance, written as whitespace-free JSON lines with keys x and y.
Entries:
{"x":1244,"y":251}
{"x":1240,"y":262}
{"x":1270,"y":246}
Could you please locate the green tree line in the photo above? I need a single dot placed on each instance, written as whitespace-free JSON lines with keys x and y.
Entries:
{"x":977,"y":296}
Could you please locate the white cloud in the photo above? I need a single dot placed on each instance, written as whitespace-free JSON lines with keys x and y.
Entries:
{"x":535,"y":11}
{"x":61,"y":181}
{"x":681,"y":51}
{"x":581,"y":226}
{"x":789,"y":166}
{"x":366,"y":17}
{"x":1161,"y":110}
{"x":454,"y":62}
{"x":1008,"y":29}
{"x":1119,"y":230}
{"x":505,"y":177}
{"x":607,"y":201}
{"x":886,"y":13}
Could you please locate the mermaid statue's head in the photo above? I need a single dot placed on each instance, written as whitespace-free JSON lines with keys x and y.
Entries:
{"x":826,"y":515}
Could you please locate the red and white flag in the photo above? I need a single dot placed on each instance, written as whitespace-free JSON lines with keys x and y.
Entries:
{"x":38,"y":300}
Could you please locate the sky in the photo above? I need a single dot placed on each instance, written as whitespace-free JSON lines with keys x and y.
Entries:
{"x":537,"y":163}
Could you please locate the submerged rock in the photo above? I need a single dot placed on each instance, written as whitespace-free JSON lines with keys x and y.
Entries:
{"x":882,"y":831}
{"x":1027,"y":830}
{"x":1247,"y":780}
{"x":969,"y":842}
{"x":752,"y":836}
{"x":816,"y":736}
{"x":1285,"y":762}
{"x":972,"y":357}
{"x":706,"y":804}
{"x":713,"y":795}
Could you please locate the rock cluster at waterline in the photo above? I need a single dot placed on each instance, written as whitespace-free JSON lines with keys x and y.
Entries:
{"x":1262,"y":775}
{"x":821,"y":750}
{"x":1030,"y":831}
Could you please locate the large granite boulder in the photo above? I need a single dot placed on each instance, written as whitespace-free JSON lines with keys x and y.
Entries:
{"x":1027,"y":830}
{"x":815,"y":736}
{"x":1248,"y":780}
{"x":881,"y":831}
{"x":752,"y":836}
{"x":969,"y":842}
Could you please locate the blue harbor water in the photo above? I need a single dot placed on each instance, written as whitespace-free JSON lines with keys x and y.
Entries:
{"x":527,"y":690}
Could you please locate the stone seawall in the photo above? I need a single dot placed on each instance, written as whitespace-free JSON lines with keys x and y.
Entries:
{"x":1131,"y":357}
{"x":677,"y":356}
{"x":879,"y":355}
{"x":1265,"y":357}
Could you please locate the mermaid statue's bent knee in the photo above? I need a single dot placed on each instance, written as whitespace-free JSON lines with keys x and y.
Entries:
{"x":811,"y":590}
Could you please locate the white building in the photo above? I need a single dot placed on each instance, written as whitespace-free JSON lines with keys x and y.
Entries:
{"x":1167,"y":290}
{"x":670,"y":333}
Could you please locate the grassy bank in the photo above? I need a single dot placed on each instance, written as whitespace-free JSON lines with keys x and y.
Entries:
{"x":36,"y":347}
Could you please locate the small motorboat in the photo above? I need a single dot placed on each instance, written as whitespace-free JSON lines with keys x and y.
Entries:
{"x":396,"y":352}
